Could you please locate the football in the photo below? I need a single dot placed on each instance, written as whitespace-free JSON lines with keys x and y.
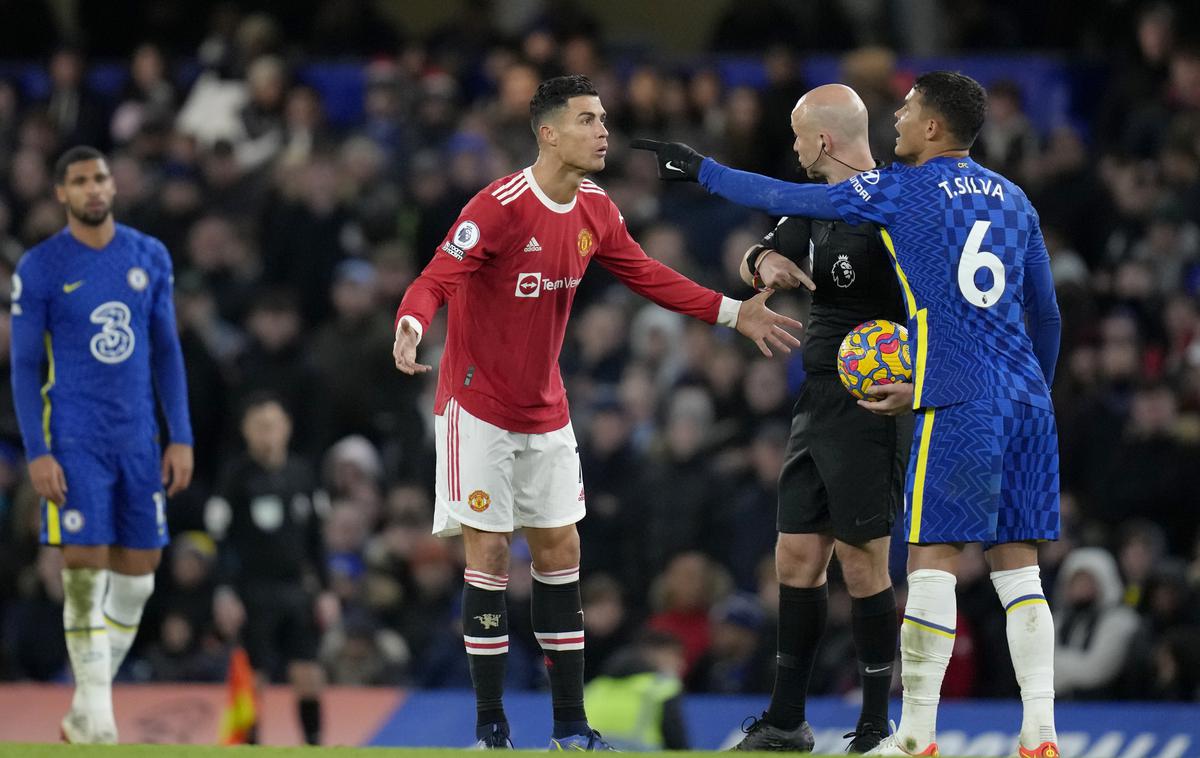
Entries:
{"x":874,"y":352}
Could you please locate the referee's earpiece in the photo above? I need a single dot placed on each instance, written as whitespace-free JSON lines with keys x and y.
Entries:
{"x":819,"y":154}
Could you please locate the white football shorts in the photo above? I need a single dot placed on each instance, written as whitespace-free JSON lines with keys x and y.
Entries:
{"x":495,"y":480}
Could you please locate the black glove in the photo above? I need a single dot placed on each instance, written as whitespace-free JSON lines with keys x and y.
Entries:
{"x":676,"y":161}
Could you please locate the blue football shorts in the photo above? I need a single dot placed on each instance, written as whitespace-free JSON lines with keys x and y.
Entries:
{"x":114,"y":497}
{"x":983,"y":471}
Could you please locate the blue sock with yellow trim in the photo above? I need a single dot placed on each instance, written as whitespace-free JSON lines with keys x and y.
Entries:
{"x":1031,"y":645}
{"x":926,"y":643}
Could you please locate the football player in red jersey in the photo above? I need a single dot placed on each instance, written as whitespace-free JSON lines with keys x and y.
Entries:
{"x":506,"y":454}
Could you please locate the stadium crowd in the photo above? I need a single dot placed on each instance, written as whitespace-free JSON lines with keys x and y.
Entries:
{"x":294,"y":240}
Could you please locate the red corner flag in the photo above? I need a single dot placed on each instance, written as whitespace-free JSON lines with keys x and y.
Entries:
{"x":241,"y":710}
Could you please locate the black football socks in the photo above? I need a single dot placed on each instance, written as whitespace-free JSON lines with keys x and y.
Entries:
{"x":558,"y":626}
{"x":485,"y":636}
{"x":876,"y":633}
{"x":802,"y":613}
{"x":310,"y":719}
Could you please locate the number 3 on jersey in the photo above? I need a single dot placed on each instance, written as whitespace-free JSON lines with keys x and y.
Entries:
{"x":973,"y":259}
{"x":114,"y":342}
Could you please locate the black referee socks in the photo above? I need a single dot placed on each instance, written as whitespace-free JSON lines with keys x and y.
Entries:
{"x":802,"y":613}
{"x":875,"y":630}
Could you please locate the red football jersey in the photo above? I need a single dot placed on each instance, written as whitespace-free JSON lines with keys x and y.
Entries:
{"x":509,"y":269}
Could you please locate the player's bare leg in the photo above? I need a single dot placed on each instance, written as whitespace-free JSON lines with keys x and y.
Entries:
{"x":926,"y":644}
{"x":1030,"y":627}
{"x":308,"y":680}
{"x":85,"y":579}
{"x":485,"y":630}
{"x":874,"y":628}
{"x":558,"y":625}
{"x":130,"y":585}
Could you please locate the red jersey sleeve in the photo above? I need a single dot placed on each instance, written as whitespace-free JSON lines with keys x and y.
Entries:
{"x":624,"y":257}
{"x":476,"y":236}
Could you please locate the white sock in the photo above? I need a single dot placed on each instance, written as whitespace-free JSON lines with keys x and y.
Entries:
{"x":1031,"y":646}
{"x":926,"y":643}
{"x":87,"y":642}
{"x":127,"y":596}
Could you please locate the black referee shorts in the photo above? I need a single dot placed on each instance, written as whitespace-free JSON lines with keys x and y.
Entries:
{"x":843,"y":471}
{"x":280,"y":627}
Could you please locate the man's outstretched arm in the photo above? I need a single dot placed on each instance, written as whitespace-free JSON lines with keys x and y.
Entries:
{"x":767,"y":194}
{"x":678,"y":162}
{"x":659,"y":283}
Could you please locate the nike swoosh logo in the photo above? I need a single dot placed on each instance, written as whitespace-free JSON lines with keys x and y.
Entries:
{"x":864,"y":522}
{"x":881,"y":669}
{"x":670,"y":166}
{"x":69,"y":288}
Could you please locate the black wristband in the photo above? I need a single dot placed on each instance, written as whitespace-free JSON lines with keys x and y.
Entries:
{"x":752,"y":259}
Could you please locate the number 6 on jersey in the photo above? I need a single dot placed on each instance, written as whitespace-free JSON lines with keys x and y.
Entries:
{"x":973,"y":259}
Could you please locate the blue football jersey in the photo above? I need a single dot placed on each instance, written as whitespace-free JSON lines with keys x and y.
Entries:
{"x":98,"y":327}
{"x":961,"y":237}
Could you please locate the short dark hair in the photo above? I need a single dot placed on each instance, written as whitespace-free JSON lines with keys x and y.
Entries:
{"x":553,"y":94}
{"x":958,"y":99}
{"x":77,"y":154}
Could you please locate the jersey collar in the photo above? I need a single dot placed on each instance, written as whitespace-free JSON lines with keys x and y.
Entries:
{"x":537,"y":191}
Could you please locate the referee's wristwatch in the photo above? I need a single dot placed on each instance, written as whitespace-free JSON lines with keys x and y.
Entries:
{"x":752,"y":259}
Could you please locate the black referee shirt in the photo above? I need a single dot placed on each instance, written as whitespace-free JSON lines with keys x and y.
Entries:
{"x":854,"y":277}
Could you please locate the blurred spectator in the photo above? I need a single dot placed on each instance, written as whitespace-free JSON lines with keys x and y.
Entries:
{"x":1008,"y":138}
{"x":148,"y":98}
{"x":1143,"y":547}
{"x":637,"y":701}
{"x":29,"y":652}
{"x":179,"y":655}
{"x":681,"y":599}
{"x":77,"y":115}
{"x":353,"y":355}
{"x":736,"y":662}
{"x":1177,"y":666}
{"x":607,"y":621}
{"x":191,"y":633}
{"x":1143,"y":73}
{"x":871,"y":71}
{"x":613,"y":520}
{"x":357,"y":653}
{"x":755,"y":506}
{"x":305,"y":237}
{"x":784,"y":87}
{"x":261,"y":116}
{"x":218,"y":254}
{"x":686,"y":502}
{"x":275,"y":360}
{"x":1094,"y":629}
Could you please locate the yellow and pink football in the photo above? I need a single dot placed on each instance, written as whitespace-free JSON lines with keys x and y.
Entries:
{"x":874,"y":352}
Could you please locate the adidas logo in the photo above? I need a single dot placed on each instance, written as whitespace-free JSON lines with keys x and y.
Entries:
{"x":533,"y":246}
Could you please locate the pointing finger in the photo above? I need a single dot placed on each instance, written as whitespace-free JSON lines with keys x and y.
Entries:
{"x":652,"y":145}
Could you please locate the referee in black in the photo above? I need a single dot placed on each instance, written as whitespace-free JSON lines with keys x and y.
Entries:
{"x":267,"y":516}
{"x":842,"y":481}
